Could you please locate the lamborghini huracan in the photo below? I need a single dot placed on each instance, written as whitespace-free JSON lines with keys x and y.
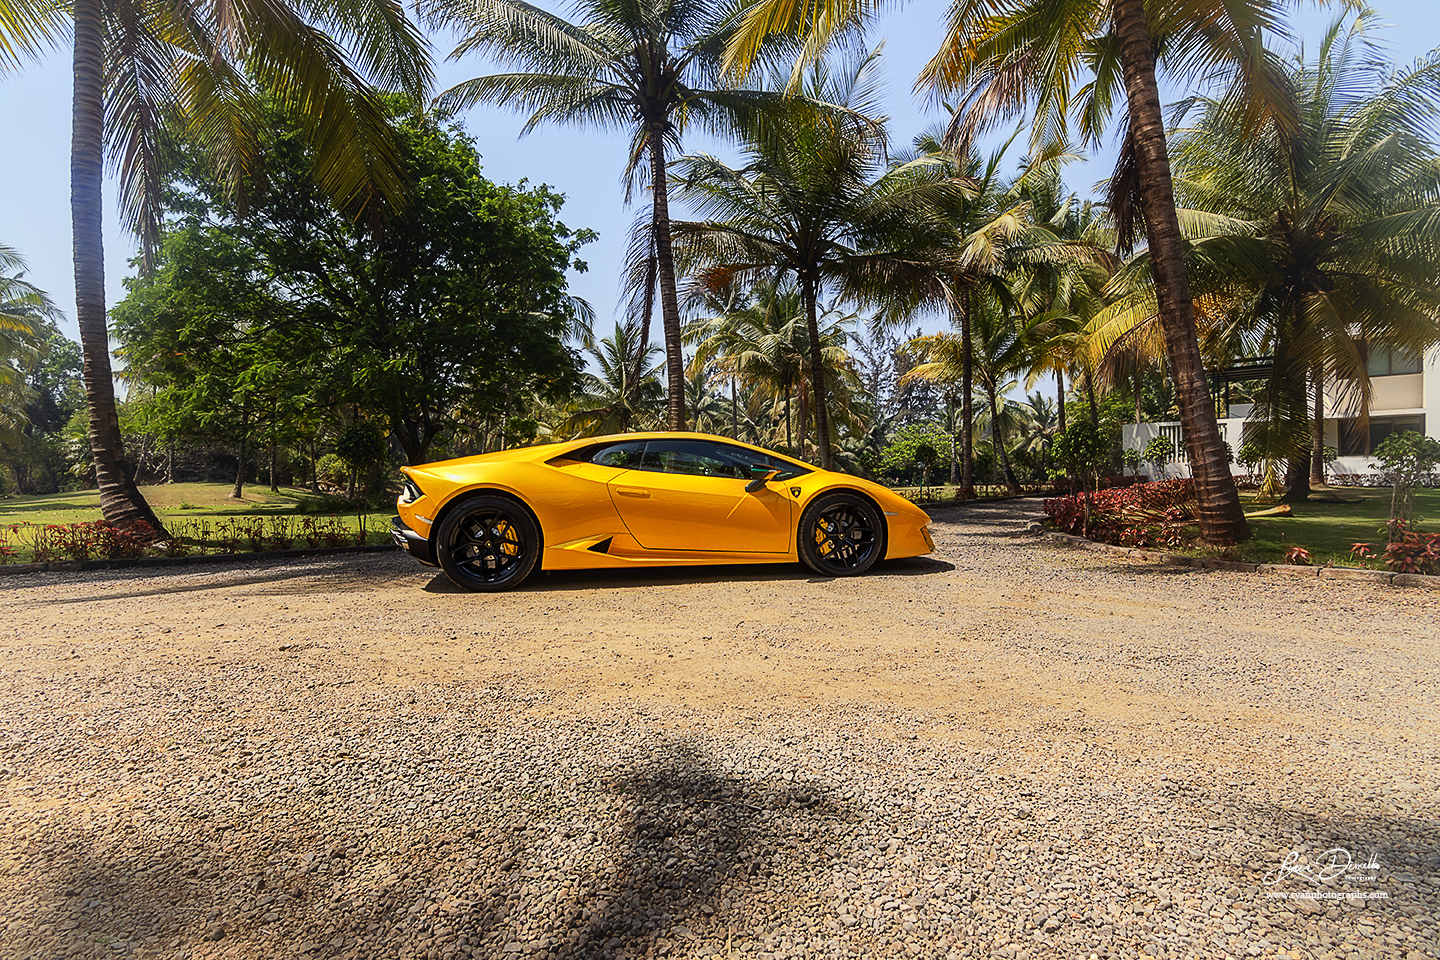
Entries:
{"x":646,"y":499}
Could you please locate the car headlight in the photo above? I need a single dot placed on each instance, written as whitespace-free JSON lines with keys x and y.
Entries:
{"x":409,"y":492}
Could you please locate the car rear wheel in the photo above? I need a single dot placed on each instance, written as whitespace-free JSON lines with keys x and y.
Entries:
{"x":841,"y":535}
{"x":487,"y":544}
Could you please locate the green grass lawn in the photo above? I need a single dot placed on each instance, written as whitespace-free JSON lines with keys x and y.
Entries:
{"x":1327,"y":529}
{"x":196,"y":512}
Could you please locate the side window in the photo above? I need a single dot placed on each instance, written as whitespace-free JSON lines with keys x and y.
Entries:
{"x":625,"y":455}
{"x":693,"y":457}
{"x":705,"y":458}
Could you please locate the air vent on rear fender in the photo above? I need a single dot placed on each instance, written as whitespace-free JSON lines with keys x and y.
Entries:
{"x":602,"y":547}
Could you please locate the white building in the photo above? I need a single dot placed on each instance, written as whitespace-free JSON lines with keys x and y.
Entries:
{"x":1404,"y":395}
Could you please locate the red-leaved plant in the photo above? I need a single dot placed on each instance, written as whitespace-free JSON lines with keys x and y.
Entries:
{"x":1141,"y":515}
{"x":1409,"y":550}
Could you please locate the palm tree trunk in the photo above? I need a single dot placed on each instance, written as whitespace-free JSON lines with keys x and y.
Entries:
{"x":997,"y":435}
{"x":802,"y":419}
{"x":1317,"y":450}
{"x":817,"y":372}
{"x":967,"y":405}
{"x":1060,"y":394}
{"x":954,"y":459}
{"x":734,"y":412}
{"x":665,"y":261}
{"x":788,"y":448}
{"x":1222,"y":519}
{"x":120,"y":500}
{"x":274,"y":482}
{"x":1090,"y":395}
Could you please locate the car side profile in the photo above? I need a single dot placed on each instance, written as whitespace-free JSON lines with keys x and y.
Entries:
{"x":646,"y":499}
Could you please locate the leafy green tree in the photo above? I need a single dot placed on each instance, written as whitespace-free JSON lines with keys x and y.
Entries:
{"x":453,"y":308}
{"x":205,"y":68}
{"x":1407,"y":457}
{"x":1159,"y":451}
{"x":1084,"y":450}
{"x":912,"y":445}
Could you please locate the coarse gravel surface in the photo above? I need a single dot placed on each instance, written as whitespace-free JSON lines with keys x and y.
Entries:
{"x":1007,"y":749}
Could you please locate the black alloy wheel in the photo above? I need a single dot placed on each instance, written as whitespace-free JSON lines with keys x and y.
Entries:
{"x":841,"y":535}
{"x":487,"y":544}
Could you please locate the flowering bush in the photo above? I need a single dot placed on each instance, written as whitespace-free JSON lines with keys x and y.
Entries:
{"x":1140,"y":515}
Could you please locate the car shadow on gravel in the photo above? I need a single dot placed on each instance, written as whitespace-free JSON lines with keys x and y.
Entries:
{"x":560,"y":580}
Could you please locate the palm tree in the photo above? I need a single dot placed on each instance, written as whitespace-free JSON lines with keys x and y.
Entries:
{"x":1320,"y":238}
{"x":1060,"y":293}
{"x":815,"y":203}
{"x":1008,"y":56}
{"x":764,"y":347}
{"x":608,"y":402}
{"x":206,"y":69}
{"x":981,"y":229}
{"x":648,"y":66}
{"x":709,"y":411}
{"x":1000,"y":348}
{"x":1039,"y":424}
{"x":26,"y":315}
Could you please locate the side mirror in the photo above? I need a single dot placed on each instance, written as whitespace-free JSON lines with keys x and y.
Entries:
{"x":762,"y":475}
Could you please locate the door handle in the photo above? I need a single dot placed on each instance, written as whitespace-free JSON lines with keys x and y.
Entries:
{"x":633,"y":492}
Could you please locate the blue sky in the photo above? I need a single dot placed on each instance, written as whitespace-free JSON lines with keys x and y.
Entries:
{"x":586,"y":166}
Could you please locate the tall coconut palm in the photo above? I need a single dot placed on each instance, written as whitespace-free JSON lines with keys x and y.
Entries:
{"x":608,"y":402}
{"x":1001,"y":349}
{"x":1307,"y":243}
{"x":26,"y":315}
{"x":1062,"y":292}
{"x":647,"y":66}
{"x":815,"y":203}
{"x":1323,"y":236}
{"x":205,"y":68}
{"x":980,"y":229}
{"x":764,"y":347}
{"x":1005,"y":57}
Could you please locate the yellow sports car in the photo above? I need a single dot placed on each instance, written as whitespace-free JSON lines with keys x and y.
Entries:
{"x":646,"y":499}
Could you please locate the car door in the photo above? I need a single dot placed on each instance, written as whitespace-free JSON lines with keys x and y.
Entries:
{"x":690,"y":495}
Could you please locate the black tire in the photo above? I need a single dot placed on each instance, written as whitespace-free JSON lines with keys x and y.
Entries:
{"x":841,"y":535}
{"x":487,"y":544}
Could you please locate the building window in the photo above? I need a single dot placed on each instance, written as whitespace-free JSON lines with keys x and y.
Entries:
{"x":1358,"y":441}
{"x":1380,"y":428}
{"x":1383,"y":362}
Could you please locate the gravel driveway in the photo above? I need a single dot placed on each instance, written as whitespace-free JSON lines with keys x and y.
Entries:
{"x":1007,"y":749}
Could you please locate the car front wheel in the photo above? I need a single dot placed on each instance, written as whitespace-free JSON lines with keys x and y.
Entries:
{"x":487,"y":544}
{"x":841,"y":535}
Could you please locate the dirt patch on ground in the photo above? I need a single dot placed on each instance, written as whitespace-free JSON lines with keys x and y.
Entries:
{"x":238,"y":714}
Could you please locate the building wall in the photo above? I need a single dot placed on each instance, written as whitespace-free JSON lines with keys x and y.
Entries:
{"x":1400,"y":395}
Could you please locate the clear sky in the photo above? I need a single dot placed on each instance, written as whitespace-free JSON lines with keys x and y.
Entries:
{"x":584,"y":165}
